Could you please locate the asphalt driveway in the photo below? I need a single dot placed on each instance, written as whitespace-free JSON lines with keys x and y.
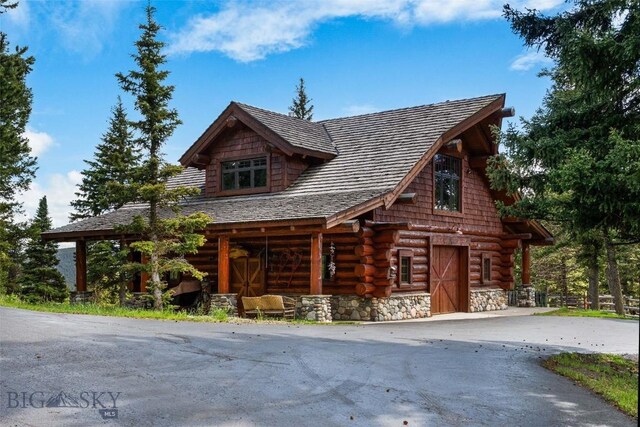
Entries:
{"x":461,"y":372}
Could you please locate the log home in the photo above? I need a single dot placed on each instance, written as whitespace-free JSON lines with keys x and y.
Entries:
{"x":382,"y":216}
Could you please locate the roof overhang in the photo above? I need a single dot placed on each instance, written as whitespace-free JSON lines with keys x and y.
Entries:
{"x":196,"y":155}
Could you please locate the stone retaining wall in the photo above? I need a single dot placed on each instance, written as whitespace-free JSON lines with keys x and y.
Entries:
{"x":527,"y":297}
{"x":227,"y":302}
{"x":488,"y":299}
{"x":396,"y":307}
{"x":314,"y":307}
{"x":81,"y":297}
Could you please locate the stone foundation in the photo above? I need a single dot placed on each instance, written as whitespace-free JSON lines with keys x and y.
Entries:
{"x":396,"y":307}
{"x":314,"y":307}
{"x":81,"y":297}
{"x":227,"y":302}
{"x":488,"y":300}
{"x":526,"y":296}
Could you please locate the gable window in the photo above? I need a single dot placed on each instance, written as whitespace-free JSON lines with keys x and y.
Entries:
{"x":486,"y":269}
{"x":241,"y":174}
{"x":447,"y":182}
{"x":405,"y":264}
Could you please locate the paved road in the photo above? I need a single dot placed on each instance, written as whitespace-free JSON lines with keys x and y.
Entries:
{"x":463,"y":372}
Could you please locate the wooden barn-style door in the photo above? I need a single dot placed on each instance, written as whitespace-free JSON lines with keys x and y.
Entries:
{"x":247,"y":277}
{"x":448,"y":292}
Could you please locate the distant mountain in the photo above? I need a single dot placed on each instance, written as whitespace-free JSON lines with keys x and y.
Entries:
{"x":67,"y":266}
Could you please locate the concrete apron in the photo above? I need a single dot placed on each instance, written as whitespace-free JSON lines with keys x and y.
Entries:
{"x":510,"y":312}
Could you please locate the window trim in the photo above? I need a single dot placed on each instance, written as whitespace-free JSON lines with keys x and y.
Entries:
{"x":405,"y":253}
{"x":242,"y":191}
{"x":483,"y":270}
{"x":445,"y":212}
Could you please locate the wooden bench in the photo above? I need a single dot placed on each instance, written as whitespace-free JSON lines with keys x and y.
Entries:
{"x":269,"y":305}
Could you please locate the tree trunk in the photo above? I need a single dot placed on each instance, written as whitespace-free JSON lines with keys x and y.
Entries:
{"x":594,"y":277}
{"x":594,"y":291}
{"x":122,"y":293}
{"x":563,"y":278}
{"x":613,"y":277}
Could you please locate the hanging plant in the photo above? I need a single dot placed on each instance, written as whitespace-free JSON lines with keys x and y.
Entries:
{"x":332,"y":263}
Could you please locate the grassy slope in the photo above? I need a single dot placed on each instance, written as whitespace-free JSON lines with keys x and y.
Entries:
{"x":611,"y":376}
{"x":564,"y":311}
{"x":110,"y":310}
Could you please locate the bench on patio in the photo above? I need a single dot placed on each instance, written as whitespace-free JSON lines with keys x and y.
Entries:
{"x":269,"y":305}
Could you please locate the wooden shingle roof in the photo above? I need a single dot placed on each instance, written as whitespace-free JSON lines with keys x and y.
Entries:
{"x":376,"y":157}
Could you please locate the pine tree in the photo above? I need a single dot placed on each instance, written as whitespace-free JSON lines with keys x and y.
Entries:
{"x":111,"y":171}
{"x":164,"y":241}
{"x":300,"y":107}
{"x":40,"y":280}
{"x":577,"y":160}
{"x":17,"y":166}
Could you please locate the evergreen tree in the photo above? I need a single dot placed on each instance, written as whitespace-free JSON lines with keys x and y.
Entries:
{"x":104,"y":188}
{"x":300,"y":107}
{"x":577,"y":160}
{"x":111,"y":172}
{"x":17,"y":166}
{"x":164,"y":241}
{"x":40,"y":280}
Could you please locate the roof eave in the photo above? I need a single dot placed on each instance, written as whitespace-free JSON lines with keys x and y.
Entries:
{"x":219,"y":125}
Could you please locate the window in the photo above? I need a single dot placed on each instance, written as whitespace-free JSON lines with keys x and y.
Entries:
{"x":405,"y":263}
{"x":447,"y":182}
{"x":241,"y":174}
{"x":486,"y":269}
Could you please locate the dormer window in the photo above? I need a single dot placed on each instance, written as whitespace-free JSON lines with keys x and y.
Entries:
{"x":244,"y":174}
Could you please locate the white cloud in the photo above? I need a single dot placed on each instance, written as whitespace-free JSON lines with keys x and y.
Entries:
{"x":20,"y":16}
{"x":82,"y":26}
{"x":249,"y":31}
{"x":39,"y":142}
{"x":528,"y":60}
{"x":358,"y":109}
{"x":60,"y":191}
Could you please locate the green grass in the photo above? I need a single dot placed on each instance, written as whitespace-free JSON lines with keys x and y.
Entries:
{"x":576,"y":312}
{"x":611,"y":376}
{"x":113,"y":310}
{"x":216,"y":316}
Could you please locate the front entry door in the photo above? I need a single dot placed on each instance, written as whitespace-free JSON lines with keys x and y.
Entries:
{"x":247,"y":277}
{"x":445,"y":279}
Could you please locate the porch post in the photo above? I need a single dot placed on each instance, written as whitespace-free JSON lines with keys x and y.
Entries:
{"x":526,"y":265}
{"x":223,"y":264}
{"x":81,"y":266}
{"x":315,"y":287}
{"x":526,"y":294}
{"x":144,"y":276}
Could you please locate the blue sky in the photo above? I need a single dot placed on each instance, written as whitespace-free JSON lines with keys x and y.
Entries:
{"x":356,"y":56}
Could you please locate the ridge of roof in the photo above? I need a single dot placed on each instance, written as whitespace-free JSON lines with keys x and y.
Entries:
{"x":435,"y":104}
{"x":299,"y":133}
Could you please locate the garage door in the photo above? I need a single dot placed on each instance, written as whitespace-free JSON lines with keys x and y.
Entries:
{"x":445,"y":279}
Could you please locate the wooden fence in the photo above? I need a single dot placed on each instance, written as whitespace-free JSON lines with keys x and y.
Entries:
{"x":582,"y":301}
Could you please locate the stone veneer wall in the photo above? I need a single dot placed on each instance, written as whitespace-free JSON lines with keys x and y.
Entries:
{"x":228,"y":302}
{"x":314,"y":307}
{"x":396,"y":307}
{"x":488,"y":299}
{"x":527,"y":297}
{"x":81,"y":297}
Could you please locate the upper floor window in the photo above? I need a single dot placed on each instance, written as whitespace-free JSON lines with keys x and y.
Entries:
{"x":447,"y":182}
{"x":241,"y":174}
